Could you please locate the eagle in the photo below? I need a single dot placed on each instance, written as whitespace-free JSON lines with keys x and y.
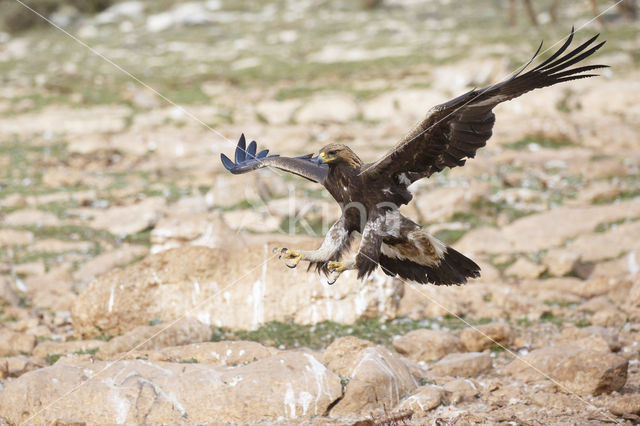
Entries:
{"x":369,"y":194}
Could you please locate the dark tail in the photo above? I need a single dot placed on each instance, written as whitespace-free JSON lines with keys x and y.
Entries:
{"x":454,"y":268}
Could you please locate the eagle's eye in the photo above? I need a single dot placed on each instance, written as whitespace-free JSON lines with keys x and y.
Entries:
{"x":334,"y":152}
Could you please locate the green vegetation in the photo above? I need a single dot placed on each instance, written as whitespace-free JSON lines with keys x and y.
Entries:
{"x":290,"y":335}
{"x":528,"y":141}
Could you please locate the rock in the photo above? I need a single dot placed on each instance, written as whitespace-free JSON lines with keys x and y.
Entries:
{"x":328,"y":108}
{"x":158,"y":336}
{"x":252,"y":220}
{"x":609,"y":318}
{"x":68,"y":120}
{"x":218,"y":353}
{"x":105,"y":262}
{"x":204,"y":229}
{"x":125,"y":220}
{"x":459,"y":390}
{"x":462,"y":365}
{"x":60,"y":348}
{"x":28,"y":217}
{"x":7,"y":293}
{"x":374,"y":377}
{"x":278,"y":112}
{"x":12,"y":237}
{"x":560,"y":262}
{"x":427,"y":345}
{"x":402,"y":103}
{"x":571,"y":334}
{"x":560,"y":224}
{"x":423,"y":399}
{"x":625,"y":404}
{"x":597,"y":246}
{"x":440,"y":204}
{"x":524,"y":269}
{"x":15,"y":343}
{"x":484,"y":336}
{"x":16,"y":366}
{"x":50,"y":245}
{"x":295,"y":385}
{"x":210,"y":284}
{"x":52,"y":290}
{"x":579,"y":370}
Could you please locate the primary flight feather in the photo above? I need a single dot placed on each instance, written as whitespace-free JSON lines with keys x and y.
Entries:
{"x":370,"y":194}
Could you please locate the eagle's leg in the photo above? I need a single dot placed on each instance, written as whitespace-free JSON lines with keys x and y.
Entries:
{"x":332,"y":245}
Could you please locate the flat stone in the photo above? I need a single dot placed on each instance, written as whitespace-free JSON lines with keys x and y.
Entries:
{"x":427,"y":345}
{"x":462,"y":365}
{"x":579,"y":370}
{"x":158,"y":336}
{"x":12,"y":237}
{"x":15,"y":343}
{"x":28,"y":217}
{"x":422,"y":400}
{"x":485,"y":336}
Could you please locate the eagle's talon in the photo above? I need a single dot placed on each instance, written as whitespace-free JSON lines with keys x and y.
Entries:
{"x":336,"y":266}
{"x":290,"y":254}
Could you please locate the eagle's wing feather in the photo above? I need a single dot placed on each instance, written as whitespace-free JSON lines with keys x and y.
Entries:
{"x":246,"y":160}
{"x":455,"y":130}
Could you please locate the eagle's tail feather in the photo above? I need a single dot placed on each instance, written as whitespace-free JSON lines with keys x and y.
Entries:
{"x":453,"y":268}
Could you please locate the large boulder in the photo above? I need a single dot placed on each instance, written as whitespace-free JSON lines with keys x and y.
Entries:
{"x":580,"y":370}
{"x":240,"y":289}
{"x":427,"y":345}
{"x":374,"y":378}
{"x":288,"y":385}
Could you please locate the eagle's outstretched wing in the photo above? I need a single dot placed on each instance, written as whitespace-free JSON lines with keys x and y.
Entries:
{"x":455,"y":130}
{"x":246,"y":160}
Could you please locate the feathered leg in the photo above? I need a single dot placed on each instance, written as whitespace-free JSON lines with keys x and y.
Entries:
{"x":332,"y":245}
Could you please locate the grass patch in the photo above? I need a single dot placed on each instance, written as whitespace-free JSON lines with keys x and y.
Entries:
{"x":531,"y":143}
{"x":450,"y":236}
{"x":289,"y":335}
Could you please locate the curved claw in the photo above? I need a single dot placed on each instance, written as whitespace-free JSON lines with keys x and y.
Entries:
{"x":335,"y":270}
{"x":290,"y":254}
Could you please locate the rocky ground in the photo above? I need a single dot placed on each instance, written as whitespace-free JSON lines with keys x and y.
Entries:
{"x":137,"y":279}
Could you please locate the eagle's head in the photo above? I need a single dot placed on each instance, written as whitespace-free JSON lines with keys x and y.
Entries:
{"x":337,"y":153}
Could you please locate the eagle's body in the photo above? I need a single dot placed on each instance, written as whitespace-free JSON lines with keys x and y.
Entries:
{"x":370,"y":194}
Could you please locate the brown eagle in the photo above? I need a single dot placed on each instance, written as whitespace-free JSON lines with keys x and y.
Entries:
{"x":370,"y":194}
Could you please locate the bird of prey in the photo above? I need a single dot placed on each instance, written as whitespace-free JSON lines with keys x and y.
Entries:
{"x":370,"y":194}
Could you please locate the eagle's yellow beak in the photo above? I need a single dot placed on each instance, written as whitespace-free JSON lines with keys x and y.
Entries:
{"x":324,"y":158}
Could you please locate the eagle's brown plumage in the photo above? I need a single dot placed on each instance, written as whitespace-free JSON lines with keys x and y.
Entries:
{"x":370,"y":194}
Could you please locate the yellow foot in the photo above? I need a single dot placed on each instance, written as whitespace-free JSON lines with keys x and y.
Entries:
{"x":287,"y":255}
{"x":335,"y":269}
{"x":336,"y":266}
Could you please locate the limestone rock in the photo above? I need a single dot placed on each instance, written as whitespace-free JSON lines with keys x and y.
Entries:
{"x":484,"y":336}
{"x":218,"y":353}
{"x":560,"y":224}
{"x":182,"y":332}
{"x":571,"y":334}
{"x":105,"y":262}
{"x":210,"y":284}
{"x":52,"y":290}
{"x":462,"y":365}
{"x":374,"y":377}
{"x":579,"y":370}
{"x":597,"y":246}
{"x":278,"y":112}
{"x":328,"y":108}
{"x":12,"y":237}
{"x":609,"y":318}
{"x":626,"y":404}
{"x":14,"y":343}
{"x":7,"y":293}
{"x":16,"y":366}
{"x":423,"y":399}
{"x":292,"y":385}
{"x":124,"y":220}
{"x":560,"y":262}
{"x":459,"y":390}
{"x":28,"y":217}
{"x":427,"y":345}
{"x":524,"y":269}
{"x":202,"y":229}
